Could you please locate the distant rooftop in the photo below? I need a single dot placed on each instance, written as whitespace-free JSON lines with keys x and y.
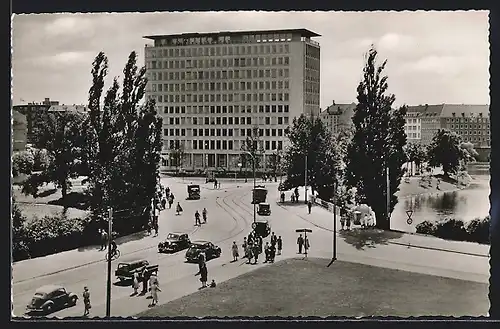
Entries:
{"x":302,"y":32}
{"x":449,"y":110}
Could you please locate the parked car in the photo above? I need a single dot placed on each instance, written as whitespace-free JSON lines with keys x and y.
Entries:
{"x":174,"y":242}
{"x":211,"y":251}
{"x":262,"y":228}
{"x":264,"y":209}
{"x":49,"y":298}
{"x":126,"y":270}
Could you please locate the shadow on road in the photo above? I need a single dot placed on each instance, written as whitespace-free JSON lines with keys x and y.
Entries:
{"x":123,"y":283}
{"x":133,"y":237}
{"x":368,"y":238}
{"x":76,"y":200}
{"x":46,"y":193}
{"x":87,"y":248}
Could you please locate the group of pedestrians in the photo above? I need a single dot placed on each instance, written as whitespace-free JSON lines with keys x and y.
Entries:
{"x":197,"y":220}
{"x":303,"y":243}
{"x":253,"y":247}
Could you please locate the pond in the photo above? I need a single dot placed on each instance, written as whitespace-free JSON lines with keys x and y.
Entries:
{"x":465,"y":204}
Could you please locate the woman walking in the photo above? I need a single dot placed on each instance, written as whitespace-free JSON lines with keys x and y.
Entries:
{"x":155,"y":288}
{"x":135,"y":284}
{"x":235,"y":252}
{"x":179,"y":208}
{"x":86,"y":301}
{"x":204,"y":276}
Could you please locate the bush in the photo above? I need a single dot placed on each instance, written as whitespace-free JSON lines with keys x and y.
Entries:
{"x":22,"y":163}
{"x":41,"y":159}
{"x":477,"y":230}
{"x":20,"y":249}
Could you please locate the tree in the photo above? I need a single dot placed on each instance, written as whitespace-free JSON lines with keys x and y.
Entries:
{"x":377,"y":143}
{"x":309,"y":137}
{"x":252,"y":145}
{"x":60,"y":135}
{"x":445,"y":151}
{"x":123,"y":141}
{"x":20,"y":249}
{"x":177,"y":155}
{"x":22,"y":163}
{"x":415,"y":154}
{"x":469,"y":152}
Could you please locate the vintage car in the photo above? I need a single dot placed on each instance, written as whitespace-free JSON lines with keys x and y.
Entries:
{"x":211,"y":251}
{"x":259,"y":194}
{"x":262,"y":228}
{"x":264,"y":209}
{"x":50,"y":298}
{"x":174,"y":242}
{"x":193,"y":192}
{"x":126,"y":270}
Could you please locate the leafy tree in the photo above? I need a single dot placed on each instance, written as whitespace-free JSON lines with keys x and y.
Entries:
{"x":445,"y":151}
{"x":20,"y":248}
{"x":123,"y":141}
{"x":377,"y":143}
{"x":22,"y":163}
{"x":253,"y":145}
{"x":469,"y":152}
{"x":177,"y":155}
{"x":309,"y":137}
{"x":60,"y":135}
{"x":41,"y":159}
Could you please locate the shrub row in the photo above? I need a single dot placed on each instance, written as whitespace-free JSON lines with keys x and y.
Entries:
{"x":477,"y":230}
{"x":52,"y":234}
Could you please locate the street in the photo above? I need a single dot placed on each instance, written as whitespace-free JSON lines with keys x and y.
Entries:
{"x":230,"y":215}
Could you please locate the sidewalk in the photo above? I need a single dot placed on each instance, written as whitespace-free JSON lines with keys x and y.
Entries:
{"x":323,"y":219}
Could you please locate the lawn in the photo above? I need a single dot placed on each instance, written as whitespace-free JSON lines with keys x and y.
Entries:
{"x":298,"y":287}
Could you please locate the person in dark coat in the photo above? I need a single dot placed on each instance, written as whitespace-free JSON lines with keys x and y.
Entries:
{"x":273,"y":239}
{"x":256,"y":252}
{"x":267,"y":252}
{"x":279,"y":242}
{"x":300,"y":242}
{"x":282,"y":197}
{"x":204,"y":276}
{"x":309,"y":206}
{"x":145,"y":279}
{"x":272,"y":253}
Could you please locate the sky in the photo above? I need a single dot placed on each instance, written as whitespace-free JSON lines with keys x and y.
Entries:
{"x":432,"y":57}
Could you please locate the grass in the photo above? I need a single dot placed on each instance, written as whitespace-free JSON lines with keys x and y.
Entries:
{"x":298,"y":287}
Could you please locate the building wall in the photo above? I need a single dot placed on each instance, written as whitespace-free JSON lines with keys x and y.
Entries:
{"x":413,"y":127}
{"x":19,"y":131}
{"x":338,"y":117}
{"x":241,"y":85}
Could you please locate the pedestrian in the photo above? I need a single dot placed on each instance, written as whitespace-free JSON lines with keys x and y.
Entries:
{"x":296,"y":192}
{"x":279,"y":242}
{"x":309,"y":206}
{"x":348,"y":222}
{"x":163,"y":203}
{"x":155,"y":220}
{"x":104,"y":237}
{"x":249,"y":252}
{"x":197,"y":221}
{"x":235,"y":251}
{"x":273,"y":239}
{"x":155,"y":288}
{"x":282,"y":197}
{"x":204,"y":213}
{"x":267,"y":252}
{"x":86,"y":301}
{"x":244,"y":247}
{"x":172,"y":196}
{"x":215,"y":184}
{"x":170,"y":202}
{"x":272,"y":253}
{"x":204,"y":276}
{"x":135,"y":283}
{"x":261,"y":243}
{"x":145,"y":278}
{"x":256,"y":251}
{"x":306,"y":244}
{"x":179,"y":208}
{"x":342,"y":222}
{"x":364,"y":222}
{"x":167,"y":191}
{"x":213,"y":284}
{"x":153,"y":279}
{"x":292,"y":198}
{"x":300,"y":242}
{"x":201,"y":262}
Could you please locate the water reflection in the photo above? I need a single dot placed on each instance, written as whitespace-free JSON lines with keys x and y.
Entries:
{"x":465,"y":204}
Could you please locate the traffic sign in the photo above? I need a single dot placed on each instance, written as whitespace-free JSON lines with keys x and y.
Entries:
{"x":409,"y":213}
{"x":409,"y":221}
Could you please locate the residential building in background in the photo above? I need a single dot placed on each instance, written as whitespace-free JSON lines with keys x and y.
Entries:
{"x":338,"y":117}
{"x":68,"y":108}
{"x":213,"y":88}
{"x":19,"y":131}
{"x":413,"y":124}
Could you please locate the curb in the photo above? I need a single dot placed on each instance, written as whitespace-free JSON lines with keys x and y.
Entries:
{"x":396,"y":243}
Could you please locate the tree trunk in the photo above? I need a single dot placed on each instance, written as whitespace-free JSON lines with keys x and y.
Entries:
{"x":381,"y":216}
{"x":64,"y":192}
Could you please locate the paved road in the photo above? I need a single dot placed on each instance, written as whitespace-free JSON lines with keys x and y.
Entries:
{"x":230,"y":217}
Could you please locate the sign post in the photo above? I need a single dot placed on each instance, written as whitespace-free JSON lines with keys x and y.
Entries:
{"x":409,"y":221}
{"x":305,"y":231}
{"x":108,"y":286}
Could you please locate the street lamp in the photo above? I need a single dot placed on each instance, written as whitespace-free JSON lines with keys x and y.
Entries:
{"x":334,"y":207}
{"x":108,"y":285}
{"x":254,"y":184}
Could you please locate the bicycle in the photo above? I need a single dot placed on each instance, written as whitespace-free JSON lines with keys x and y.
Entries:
{"x":115,"y":255}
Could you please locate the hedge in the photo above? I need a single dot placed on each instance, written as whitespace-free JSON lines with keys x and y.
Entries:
{"x":477,"y":230}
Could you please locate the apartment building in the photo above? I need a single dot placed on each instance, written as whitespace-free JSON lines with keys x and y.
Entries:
{"x":212,"y":89}
{"x":413,"y":124}
{"x":471,"y":122}
{"x":338,"y":117}
{"x":19,"y":131}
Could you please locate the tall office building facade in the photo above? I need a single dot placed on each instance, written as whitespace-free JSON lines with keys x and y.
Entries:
{"x":214,"y":90}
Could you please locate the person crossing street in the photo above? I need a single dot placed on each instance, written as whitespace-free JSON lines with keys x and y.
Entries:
{"x":204,"y":213}
{"x":197,"y":221}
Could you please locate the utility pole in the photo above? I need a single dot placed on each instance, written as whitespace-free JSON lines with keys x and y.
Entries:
{"x":108,"y":287}
{"x":388,"y":196}
{"x":334,"y":206}
{"x":305,"y":183}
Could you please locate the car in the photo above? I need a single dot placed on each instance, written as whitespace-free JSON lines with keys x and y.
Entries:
{"x":264,"y":209}
{"x":126,"y":270}
{"x":259,"y":194}
{"x":262,"y":228}
{"x":193,"y":192}
{"x":174,"y":242}
{"x":50,"y":298}
{"x":211,"y":251}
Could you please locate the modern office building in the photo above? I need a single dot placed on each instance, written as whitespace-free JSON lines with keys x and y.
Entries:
{"x":338,"y":117}
{"x":213,"y":89}
{"x":413,"y":123}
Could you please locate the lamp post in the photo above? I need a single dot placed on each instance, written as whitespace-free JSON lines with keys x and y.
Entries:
{"x":254,"y":184}
{"x":334,"y":207}
{"x":108,"y":285}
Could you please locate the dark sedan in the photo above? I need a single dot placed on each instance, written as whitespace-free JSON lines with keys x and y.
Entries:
{"x":49,"y":298}
{"x":211,"y":251}
{"x":174,"y":242}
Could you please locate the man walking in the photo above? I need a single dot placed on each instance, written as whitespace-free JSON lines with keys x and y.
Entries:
{"x":300,"y":242}
{"x":309,"y":206}
{"x":145,"y":278}
{"x":279,"y":242}
{"x":273,"y":239}
{"x":204,"y":213}
{"x":197,"y":221}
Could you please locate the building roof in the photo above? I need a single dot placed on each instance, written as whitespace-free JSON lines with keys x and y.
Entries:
{"x":64,"y":108}
{"x":467,"y":109}
{"x":337,"y":109}
{"x":302,"y":32}
{"x":426,"y":110}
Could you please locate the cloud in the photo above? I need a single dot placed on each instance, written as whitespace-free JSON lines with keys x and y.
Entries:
{"x":72,"y":25}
